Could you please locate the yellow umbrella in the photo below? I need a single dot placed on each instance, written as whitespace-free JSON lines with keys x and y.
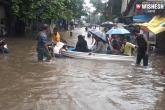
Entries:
{"x":156,"y":25}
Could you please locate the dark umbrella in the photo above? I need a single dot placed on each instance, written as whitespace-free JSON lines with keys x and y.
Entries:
{"x":98,"y":34}
{"x":107,"y":24}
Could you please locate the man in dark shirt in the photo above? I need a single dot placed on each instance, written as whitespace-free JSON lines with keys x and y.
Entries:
{"x":42,"y":48}
{"x":143,"y":47}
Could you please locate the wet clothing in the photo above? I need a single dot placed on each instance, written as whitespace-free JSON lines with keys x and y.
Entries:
{"x":126,"y":49}
{"x":140,"y":56}
{"x":100,"y":47}
{"x":142,"y":45}
{"x":115,"y":44}
{"x":81,"y":45}
{"x":42,"y":39}
{"x":142,"y":48}
{"x":42,"y":54}
{"x":56,"y":37}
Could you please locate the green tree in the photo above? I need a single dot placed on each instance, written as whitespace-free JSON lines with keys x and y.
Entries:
{"x":106,"y":8}
{"x":77,"y":8}
{"x":45,"y":9}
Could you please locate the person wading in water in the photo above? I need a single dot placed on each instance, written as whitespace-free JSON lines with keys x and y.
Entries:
{"x":143,"y":47}
{"x":42,"y":48}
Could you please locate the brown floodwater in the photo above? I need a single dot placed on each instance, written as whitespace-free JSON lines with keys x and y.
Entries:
{"x":77,"y":84}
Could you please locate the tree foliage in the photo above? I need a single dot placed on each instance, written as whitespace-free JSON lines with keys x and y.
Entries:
{"x":105,"y":8}
{"x":77,"y":8}
{"x":45,"y":9}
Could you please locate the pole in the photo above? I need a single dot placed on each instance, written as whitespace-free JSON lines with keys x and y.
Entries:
{"x":111,"y":10}
{"x":126,"y":9}
{"x":37,"y":23}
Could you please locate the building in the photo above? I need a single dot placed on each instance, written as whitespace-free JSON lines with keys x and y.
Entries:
{"x":2,"y":18}
{"x":129,"y":13}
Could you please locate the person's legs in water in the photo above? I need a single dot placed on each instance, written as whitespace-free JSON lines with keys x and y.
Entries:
{"x":139,"y":58}
{"x":145,"y":60}
{"x":42,"y":54}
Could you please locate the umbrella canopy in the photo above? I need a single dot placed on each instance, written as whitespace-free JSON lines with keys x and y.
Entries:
{"x":156,"y":25}
{"x":107,"y":24}
{"x":118,"y":31}
{"x":98,"y":34}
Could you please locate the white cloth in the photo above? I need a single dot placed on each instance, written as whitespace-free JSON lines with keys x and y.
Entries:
{"x":58,"y":47}
{"x":89,"y":42}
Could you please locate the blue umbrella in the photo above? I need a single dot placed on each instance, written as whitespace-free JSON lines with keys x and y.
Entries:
{"x":118,"y":31}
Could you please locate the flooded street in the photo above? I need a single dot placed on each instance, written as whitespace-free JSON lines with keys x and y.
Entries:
{"x":77,"y":84}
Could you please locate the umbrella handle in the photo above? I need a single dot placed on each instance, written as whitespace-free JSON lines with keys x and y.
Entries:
{"x":110,"y":45}
{"x":53,"y":50}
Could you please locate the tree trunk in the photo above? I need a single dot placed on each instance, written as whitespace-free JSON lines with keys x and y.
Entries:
{"x":7,"y":20}
{"x":65,"y":24}
{"x":20,"y":28}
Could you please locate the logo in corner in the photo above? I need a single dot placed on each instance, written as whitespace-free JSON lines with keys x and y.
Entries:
{"x":138,"y":6}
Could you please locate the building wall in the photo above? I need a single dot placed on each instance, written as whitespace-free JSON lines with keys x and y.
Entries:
{"x":124,"y":5}
{"x":123,"y":8}
{"x":2,"y":17}
{"x":160,"y":38}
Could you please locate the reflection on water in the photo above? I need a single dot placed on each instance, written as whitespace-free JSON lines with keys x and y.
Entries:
{"x":77,"y":84}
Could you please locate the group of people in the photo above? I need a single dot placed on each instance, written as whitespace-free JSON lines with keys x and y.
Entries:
{"x":119,"y":45}
{"x":114,"y":46}
{"x":45,"y":49}
{"x":126,"y":44}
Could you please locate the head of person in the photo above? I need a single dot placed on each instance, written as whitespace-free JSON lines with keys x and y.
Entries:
{"x":45,"y":28}
{"x":124,"y":40}
{"x":131,"y":26}
{"x":104,"y":29}
{"x":115,"y":37}
{"x":97,"y":38}
{"x":80,"y":37}
{"x":135,"y":32}
{"x":64,"y":41}
{"x":55,"y":30}
{"x":107,"y":29}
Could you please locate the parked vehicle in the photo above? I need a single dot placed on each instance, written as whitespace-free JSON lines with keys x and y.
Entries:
{"x":3,"y":46}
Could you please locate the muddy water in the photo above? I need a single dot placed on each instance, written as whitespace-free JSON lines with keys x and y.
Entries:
{"x":77,"y":84}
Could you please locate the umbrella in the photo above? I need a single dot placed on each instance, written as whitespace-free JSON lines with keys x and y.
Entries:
{"x":118,"y":31}
{"x":107,"y":24}
{"x":156,"y":25}
{"x":99,"y":34}
{"x":73,"y":23}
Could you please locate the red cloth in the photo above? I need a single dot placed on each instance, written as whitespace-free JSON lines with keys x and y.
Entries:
{"x":113,"y":35}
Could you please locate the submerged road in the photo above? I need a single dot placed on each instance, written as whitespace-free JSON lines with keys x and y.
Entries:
{"x":77,"y":84}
